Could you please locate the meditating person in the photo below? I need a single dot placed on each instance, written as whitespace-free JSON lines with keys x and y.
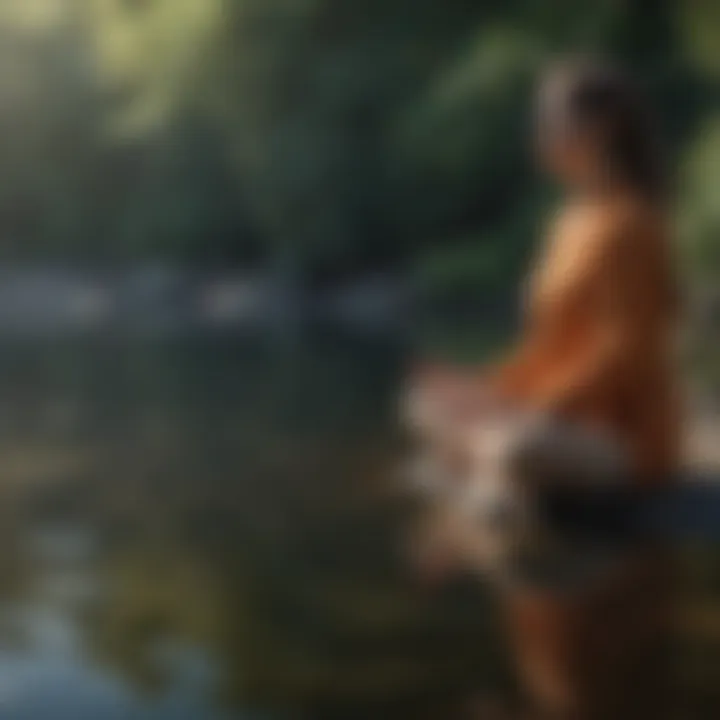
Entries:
{"x":597,"y":350}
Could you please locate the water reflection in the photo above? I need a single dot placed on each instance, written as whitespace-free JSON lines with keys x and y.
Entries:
{"x":203,"y":530}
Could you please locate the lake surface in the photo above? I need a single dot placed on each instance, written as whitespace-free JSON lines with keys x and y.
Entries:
{"x":205,"y":529}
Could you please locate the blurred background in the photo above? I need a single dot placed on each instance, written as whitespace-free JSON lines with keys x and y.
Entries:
{"x":224,"y":227}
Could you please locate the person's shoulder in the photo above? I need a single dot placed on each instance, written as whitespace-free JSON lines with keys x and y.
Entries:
{"x":590,"y":226}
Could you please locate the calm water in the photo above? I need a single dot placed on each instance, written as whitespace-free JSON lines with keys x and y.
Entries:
{"x":203,"y":530}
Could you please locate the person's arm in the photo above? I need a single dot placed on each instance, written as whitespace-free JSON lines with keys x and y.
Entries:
{"x":510,"y":377}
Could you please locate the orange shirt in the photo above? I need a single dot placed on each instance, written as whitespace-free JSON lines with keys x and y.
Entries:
{"x":598,"y":343}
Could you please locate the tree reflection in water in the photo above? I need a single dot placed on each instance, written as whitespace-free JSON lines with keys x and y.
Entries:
{"x":205,"y":529}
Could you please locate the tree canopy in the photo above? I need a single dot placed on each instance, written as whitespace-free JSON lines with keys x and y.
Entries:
{"x":326,"y":137}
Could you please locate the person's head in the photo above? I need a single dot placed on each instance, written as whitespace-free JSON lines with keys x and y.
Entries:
{"x":594,"y":129}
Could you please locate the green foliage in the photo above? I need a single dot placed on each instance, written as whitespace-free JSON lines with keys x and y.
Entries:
{"x":316,"y":135}
{"x":701,"y":201}
{"x":699,"y":23}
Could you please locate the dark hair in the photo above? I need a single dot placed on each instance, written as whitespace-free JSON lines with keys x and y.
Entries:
{"x":590,"y":95}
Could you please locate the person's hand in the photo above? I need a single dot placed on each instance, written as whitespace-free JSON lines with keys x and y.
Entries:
{"x":422,"y":397}
{"x":442,"y":398}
